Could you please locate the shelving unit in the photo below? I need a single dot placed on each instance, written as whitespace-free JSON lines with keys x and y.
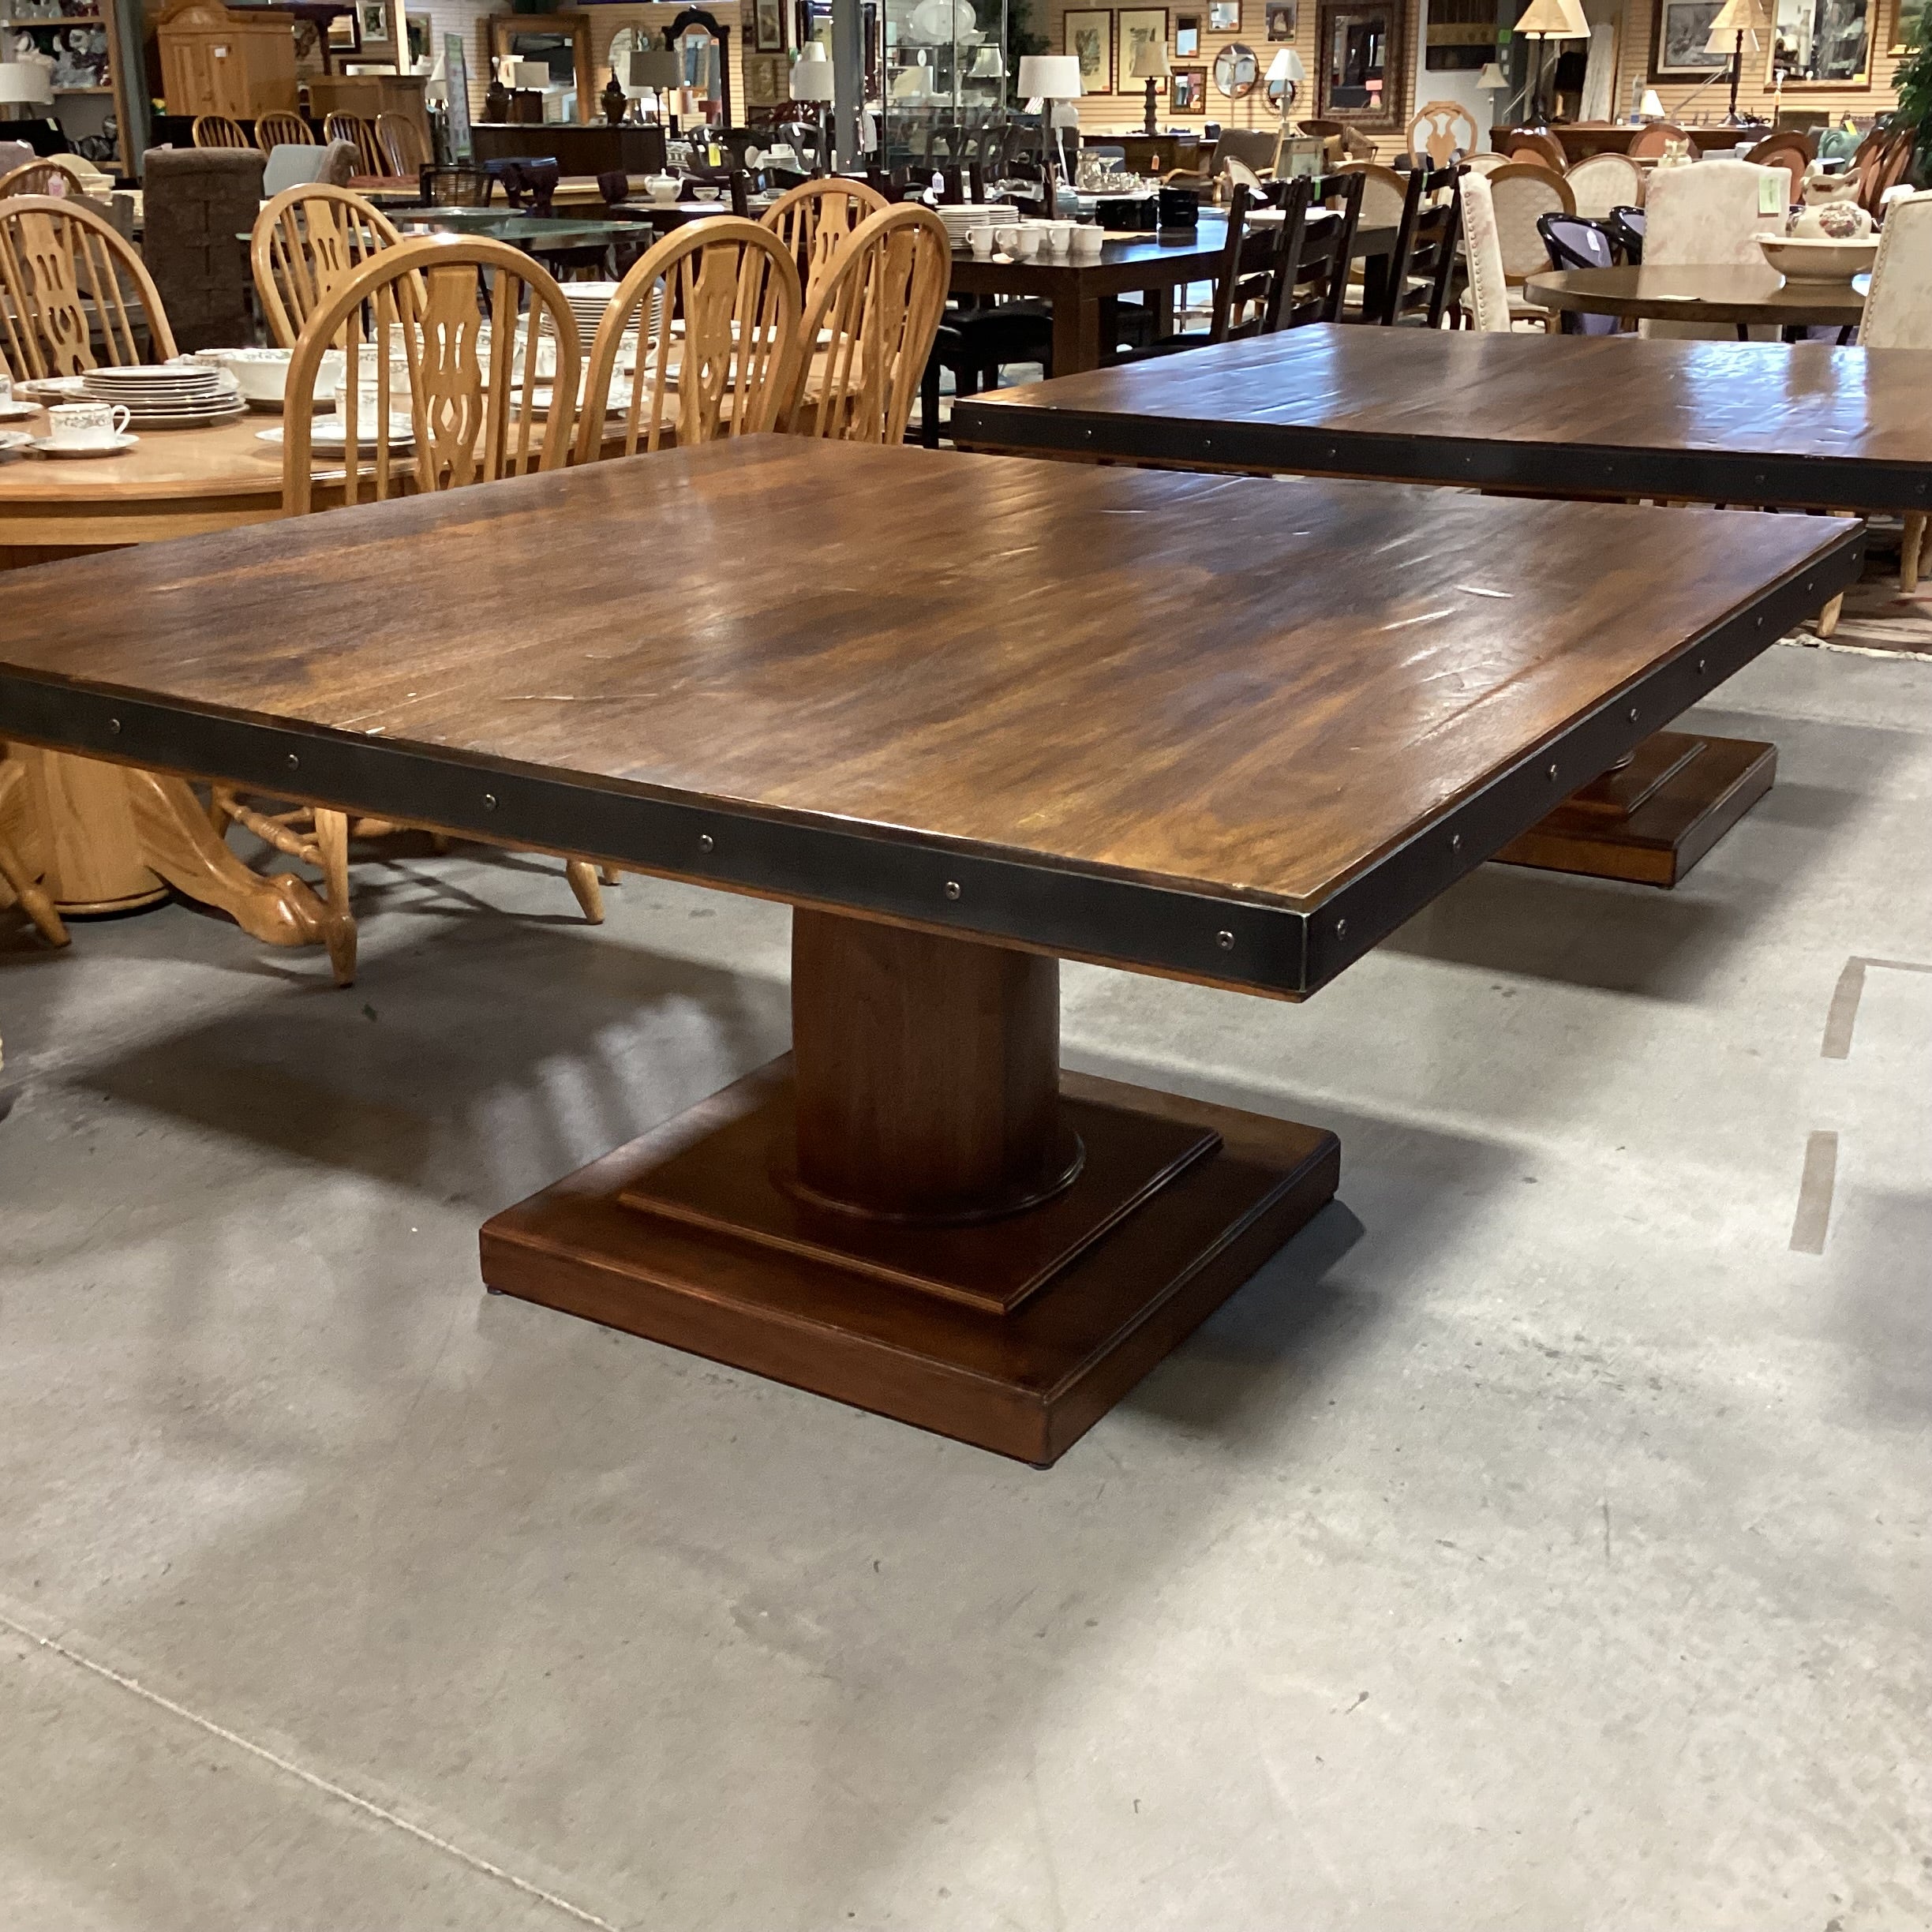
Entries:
{"x":110,"y":110}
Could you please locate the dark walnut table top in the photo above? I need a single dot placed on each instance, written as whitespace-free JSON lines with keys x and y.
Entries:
{"x":1218,"y":728}
{"x":1747,"y":292}
{"x":1562,"y":415}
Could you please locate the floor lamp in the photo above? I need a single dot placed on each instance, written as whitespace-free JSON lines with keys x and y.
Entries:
{"x":1050,"y":79}
{"x":811,"y":81}
{"x":1286,"y":72}
{"x":1739,"y":21}
{"x":659,"y":70}
{"x":1150,"y":65}
{"x":1547,"y":20}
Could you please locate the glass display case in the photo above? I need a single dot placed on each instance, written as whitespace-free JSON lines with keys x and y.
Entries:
{"x":942,"y":73}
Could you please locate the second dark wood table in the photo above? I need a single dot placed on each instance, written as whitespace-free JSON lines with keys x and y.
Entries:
{"x":1760,"y":424}
{"x":1146,"y":721}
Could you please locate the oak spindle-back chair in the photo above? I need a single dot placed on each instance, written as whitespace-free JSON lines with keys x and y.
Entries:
{"x":219,"y":130}
{"x":720,"y":368}
{"x":66,"y":280}
{"x":815,"y":220}
{"x":279,"y":129}
{"x":454,"y":307}
{"x":404,"y":150}
{"x":880,"y":304}
{"x":359,"y":131}
{"x":52,"y":174}
{"x":305,"y":244}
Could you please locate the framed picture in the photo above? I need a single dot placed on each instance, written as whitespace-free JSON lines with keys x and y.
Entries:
{"x":1087,"y":34}
{"x":345,"y":35}
{"x":1187,"y":36}
{"x":1224,"y":15}
{"x":1282,"y":17}
{"x":768,"y":26}
{"x":767,"y":79}
{"x":373,"y":20}
{"x":1679,"y":31}
{"x":1136,"y":27}
{"x":421,"y":28}
{"x":1188,"y":90}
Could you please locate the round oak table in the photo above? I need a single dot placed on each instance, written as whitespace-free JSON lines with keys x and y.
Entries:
{"x":1742,"y":294}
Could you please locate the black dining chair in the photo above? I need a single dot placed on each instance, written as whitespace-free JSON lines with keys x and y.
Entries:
{"x":1580,"y":241}
{"x":1311,"y":281}
{"x":1626,"y":228}
{"x":1421,"y":271}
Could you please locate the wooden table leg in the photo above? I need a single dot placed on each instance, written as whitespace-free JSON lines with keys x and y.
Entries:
{"x":83,"y":820}
{"x":1075,"y":334}
{"x":916,"y":1212}
{"x":1652,"y":818}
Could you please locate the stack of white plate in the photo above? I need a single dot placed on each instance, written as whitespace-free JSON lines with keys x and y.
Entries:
{"x":168,"y":395}
{"x":588,"y":300}
{"x":960,"y":221}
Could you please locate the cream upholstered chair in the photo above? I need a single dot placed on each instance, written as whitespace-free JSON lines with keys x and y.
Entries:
{"x":879,"y":308}
{"x":1384,"y":192}
{"x":1486,"y":164}
{"x":813,"y":221}
{"x":1486,"y":299}
{"x":1523,"y":192}
{"x":1600,"y":183}
{"x":1898,"y":315}
{"x":1707,"y":216}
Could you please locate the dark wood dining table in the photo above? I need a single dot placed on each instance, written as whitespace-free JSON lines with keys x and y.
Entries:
{"x":1083,"y":293}
{"x":1808,"y":426}
{"x":1147,"y":720}
{"x":1743,"y":294}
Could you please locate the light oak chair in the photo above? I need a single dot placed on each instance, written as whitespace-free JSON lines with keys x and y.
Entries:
{"x":476,"y":410}
{"x":1600,"y":183}
{"x":1898,"y":315}
{"x":1441,"y":130}
{"x":19,"y":881}
{"x":216,"y":130}
{"x":65,"y":282}
{"x":720,"y":368}
{"x":39,"y":177}
{"x":880,"y":305}
{"x":359,"y":131}
{"x":305,"y":244}
{"x":815,"y":219}
{"x":283,"y":130}
{"x":405,"y":152}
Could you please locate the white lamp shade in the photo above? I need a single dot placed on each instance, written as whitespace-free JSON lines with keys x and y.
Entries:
{"x":811,"y":80}
{"x":1050,"y":77}
{"x":1651,"y":106}
{"x":1741,"y":16}
{"x":1554,"y":20}
{"x":524,"y":74}
{"x":813,"y":52}
{"x":988,"y":63}
{"x":655,"y":68}
{"x":1150,"y":62}
{"x":1491,"y":80}
{"x":1725,"y":39}
{"x":1287,"y":65}
{"x":25,"y":83}
{"x":912,"y":84}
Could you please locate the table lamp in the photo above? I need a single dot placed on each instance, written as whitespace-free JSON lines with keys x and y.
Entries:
{"x":1739,"y":21}
{"x":1651,"y":106}
{"x":1150,"y":65}
{"x":25,"y":83}
{"x":1285,"y":76}
{"x":1051,"y":77}
{"x":988,"y":63}
{"x":659,"y":70}
{"x":1545,"y":21}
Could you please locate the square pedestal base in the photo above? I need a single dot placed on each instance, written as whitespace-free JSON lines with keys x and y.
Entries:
{"x":1027,"y":1384}
{"x":1652,"y":821}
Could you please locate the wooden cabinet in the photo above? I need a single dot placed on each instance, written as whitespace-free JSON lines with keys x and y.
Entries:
{"x":216,"y":61}
{"x":92,"y":49}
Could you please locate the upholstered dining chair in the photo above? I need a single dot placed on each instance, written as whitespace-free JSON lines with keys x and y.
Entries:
{"x":1522,"y":192}
{"x":1600,"y":183}
{"x":1485,"y":163}
{"x":219,"y":130}
{"x":1543,"y":149}
{"x":815,"y":221}
{"x":278,"y":129}
{"x":1898,"y":315}
{"x":1486,"y":301}
{"x":305,"y":245}
{"x":718,"y":364}
{"x":878,"y":309}
{"x":67,"y":279}
{"x":1707,"y":216}
{"x":468,"y":316}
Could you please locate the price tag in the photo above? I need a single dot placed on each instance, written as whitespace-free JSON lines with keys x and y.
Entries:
{"x":1771,"y":192}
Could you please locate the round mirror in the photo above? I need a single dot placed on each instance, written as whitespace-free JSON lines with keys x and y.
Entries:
{"x":1236,"y":70}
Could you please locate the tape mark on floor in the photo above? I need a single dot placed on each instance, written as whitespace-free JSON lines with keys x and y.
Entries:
{"x":327,"y":1786}
{"x":1843,"y":1014}
{"x":1814,"y":1195}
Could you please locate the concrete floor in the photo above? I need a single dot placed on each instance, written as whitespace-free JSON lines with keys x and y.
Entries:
{"x":1539,"y":1542}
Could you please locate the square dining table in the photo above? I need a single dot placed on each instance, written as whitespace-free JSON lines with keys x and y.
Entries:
{"x":1807,"y":426}
{"x":968,"y":716}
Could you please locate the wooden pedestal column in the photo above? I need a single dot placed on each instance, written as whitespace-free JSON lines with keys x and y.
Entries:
{"x":915,"y":1211}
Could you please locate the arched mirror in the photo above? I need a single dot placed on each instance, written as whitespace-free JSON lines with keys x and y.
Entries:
{"x":704,"y":45}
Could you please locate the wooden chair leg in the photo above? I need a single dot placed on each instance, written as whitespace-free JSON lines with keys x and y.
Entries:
{"x":331,"y":838}
{"x":1828,"y":617}
{"x":609,"y":874}
{"x":1911,"y":551}
{"x":583,"y":882}
{"x":178,"y":842}
{"x":20,"y":881}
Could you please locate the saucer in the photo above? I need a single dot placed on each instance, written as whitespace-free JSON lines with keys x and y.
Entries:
{"x":14,"y":439}
{"x":18,"y":412}
{"x":119,"y":446}
{"x":55,"y":388}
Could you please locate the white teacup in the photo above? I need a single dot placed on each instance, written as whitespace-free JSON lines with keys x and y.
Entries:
{"x":1059,"y":235}
{"x":1088,"y":241}
{"x":979,"y":239}
{"x":1025,"y":242}
{"x":1006,"y":238}
{"x":87,"y":425}
{"x":7,"y":388}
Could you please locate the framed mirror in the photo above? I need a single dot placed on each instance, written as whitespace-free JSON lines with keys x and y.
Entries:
{"x":1821,"y":43}
{"x":561,"y":41}
{"x":1236,"y":70}
{"x":1360,"y":45}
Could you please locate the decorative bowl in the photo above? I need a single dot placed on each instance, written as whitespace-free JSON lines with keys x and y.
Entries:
{"x":1802,"y":259}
